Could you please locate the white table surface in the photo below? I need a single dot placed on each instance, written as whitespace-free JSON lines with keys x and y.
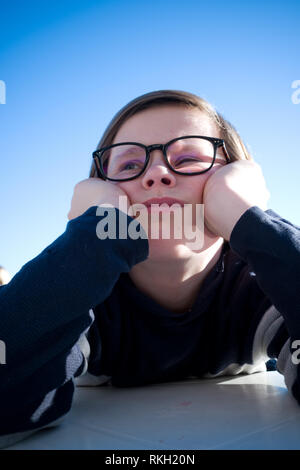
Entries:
{"x":242,"y":412}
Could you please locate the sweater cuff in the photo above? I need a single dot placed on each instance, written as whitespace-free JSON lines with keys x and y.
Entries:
{"x":250,"y":226}
{"x":122,"y":227}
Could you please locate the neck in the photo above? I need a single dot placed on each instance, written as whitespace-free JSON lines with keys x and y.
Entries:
{"x":175,"y":283}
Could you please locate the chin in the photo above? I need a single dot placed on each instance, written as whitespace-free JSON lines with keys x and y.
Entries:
{"x":162,"y":248}
{"x":170,"y":249}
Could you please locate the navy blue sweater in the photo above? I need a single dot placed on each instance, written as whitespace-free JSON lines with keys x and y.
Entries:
{"x":73,"y":316}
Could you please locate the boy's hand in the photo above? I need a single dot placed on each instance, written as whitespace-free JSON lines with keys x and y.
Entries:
{"x":94,"y":192}
{"x":229,"y":192}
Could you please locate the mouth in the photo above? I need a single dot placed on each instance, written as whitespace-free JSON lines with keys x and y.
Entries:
{"x":166,"y":201}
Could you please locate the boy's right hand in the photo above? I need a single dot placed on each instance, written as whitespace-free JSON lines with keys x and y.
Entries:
{"x":95,"y":192}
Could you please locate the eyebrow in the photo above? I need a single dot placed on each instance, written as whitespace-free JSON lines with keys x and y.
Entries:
{"x":126,"y":151}
{"x":122,"y":153}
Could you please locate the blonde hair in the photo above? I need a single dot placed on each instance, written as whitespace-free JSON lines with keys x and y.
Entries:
{"x":234,"y":144}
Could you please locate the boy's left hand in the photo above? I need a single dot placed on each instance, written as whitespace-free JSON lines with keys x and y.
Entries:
{"x":229,"y":192}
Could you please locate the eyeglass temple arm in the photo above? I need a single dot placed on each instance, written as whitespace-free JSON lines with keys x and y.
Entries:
{"x":222,"y":144}
{"x":96,"y":163}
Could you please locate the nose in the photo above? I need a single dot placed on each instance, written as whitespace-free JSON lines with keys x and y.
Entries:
{"x":157,"y":173}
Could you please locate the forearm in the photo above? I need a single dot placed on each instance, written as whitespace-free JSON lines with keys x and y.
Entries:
{"x":47,"y":302}
{"x":271,"y":247}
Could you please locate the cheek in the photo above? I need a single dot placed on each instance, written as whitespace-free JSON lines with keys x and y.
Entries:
{"x":197,"y":186}
{"x":125,"y":186}
{"x":128,"y":187}
{"x":205,"y":177}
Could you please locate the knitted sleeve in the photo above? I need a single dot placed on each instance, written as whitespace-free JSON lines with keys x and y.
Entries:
{"x":45,"y":311}
{"x":271,"y":247}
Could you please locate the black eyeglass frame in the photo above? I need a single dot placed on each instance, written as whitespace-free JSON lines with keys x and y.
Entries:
{"x":97,"y":154}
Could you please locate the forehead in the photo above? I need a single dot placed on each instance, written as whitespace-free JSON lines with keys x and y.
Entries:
{"x":164,"y":123}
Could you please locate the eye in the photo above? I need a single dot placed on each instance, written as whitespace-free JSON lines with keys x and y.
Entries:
{"x":131,"y":165}
{"x":183,"y":159}
{"x":187,"y":159}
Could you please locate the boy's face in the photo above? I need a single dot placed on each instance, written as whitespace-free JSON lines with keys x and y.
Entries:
{"x":158,"y":126}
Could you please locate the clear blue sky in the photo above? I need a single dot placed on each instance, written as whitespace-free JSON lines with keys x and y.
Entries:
{"x":69,"y":66}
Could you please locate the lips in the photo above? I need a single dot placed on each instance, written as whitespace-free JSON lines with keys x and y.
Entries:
{"x":163,"y":200}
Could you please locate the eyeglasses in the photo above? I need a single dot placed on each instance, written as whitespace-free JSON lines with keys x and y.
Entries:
{"x":189,"y":155}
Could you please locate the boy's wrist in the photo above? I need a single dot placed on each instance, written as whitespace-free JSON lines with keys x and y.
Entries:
{"x":222,"y":224}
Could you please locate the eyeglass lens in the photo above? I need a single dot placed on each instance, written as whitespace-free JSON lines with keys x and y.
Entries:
{"x":189,"y":155}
